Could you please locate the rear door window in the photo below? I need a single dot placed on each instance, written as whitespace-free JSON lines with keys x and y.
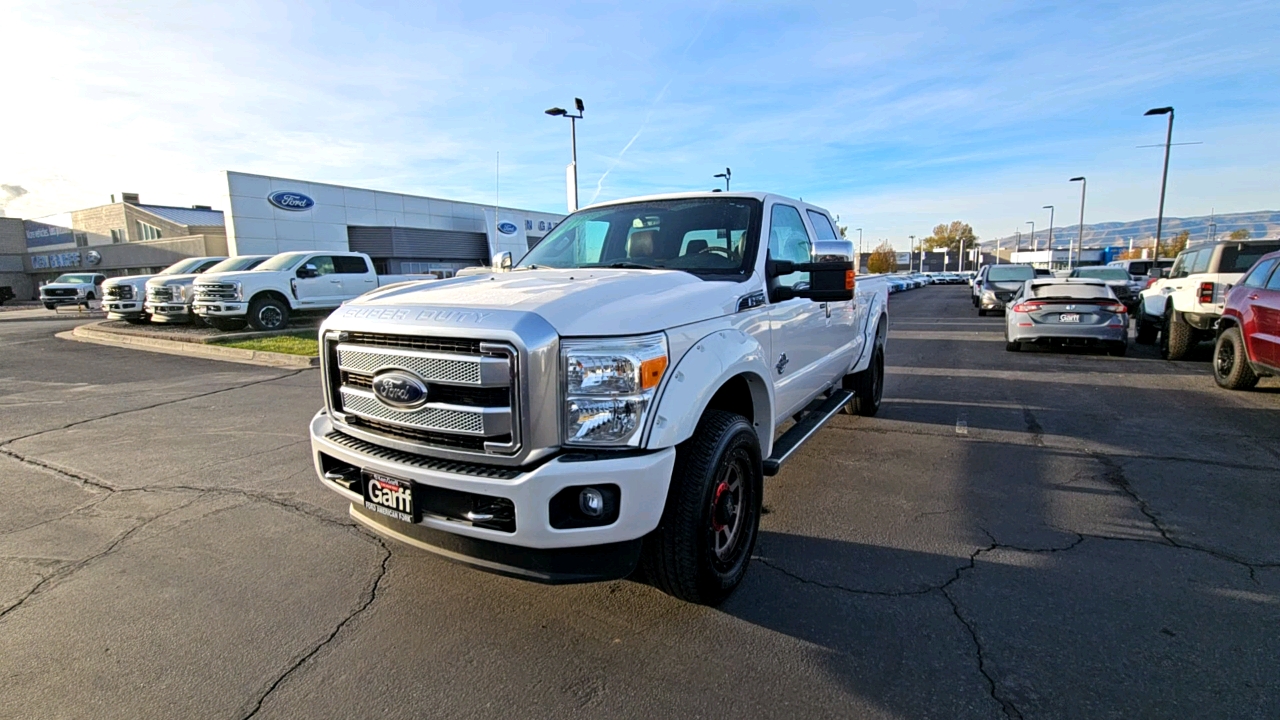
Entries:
{"x":350,"y":265}
{"x":1258,"y":278}
{"x":1200,"y":262}
{"x":822,"y":226}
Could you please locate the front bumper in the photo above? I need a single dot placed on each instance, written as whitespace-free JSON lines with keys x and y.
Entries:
{"x":168,"y":312}
{"x":534,"y":550}
{"x":220,"y":309}
{"x":989,"y":303}
{"x":120,"y":309}
{"x":64,"y":300}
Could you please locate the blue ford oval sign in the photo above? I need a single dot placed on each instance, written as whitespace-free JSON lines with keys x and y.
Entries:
{"x":507,"y":228}
{"x":289,"y":200}
{"x":400,"y":390}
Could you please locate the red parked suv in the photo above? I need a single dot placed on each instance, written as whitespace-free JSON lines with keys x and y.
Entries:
{"x":1249,"y":332}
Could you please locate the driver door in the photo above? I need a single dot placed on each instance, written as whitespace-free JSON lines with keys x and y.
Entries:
{"x":321,"y":289}
{"x":797,"y":326}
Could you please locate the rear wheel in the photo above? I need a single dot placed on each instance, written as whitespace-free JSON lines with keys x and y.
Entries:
{"x":1231,"y":368}
{"x":1118,"y":349}
{"x":227,"y":324}
{"x":267,"y":313}
{"x":1013,"y":346}
{"x":1175,"y":337}
{"x":701,"y":548}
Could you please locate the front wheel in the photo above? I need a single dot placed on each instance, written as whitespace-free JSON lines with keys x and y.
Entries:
{"x":267,"y":313}
{"x":867,"y":386}
{"x":702,"y":546}
{"x":50,"y":306}
{"x":137,"y":320}
{"x":1231,"y":368}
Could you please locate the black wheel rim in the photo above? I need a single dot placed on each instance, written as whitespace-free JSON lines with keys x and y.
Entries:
{"x":729,"y":516}
{"x":1225,"y":358}
{"x":270,"y":316}
{"x":877,"y":382}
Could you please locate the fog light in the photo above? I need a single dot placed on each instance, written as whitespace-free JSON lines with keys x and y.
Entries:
{"x":591,"y":502}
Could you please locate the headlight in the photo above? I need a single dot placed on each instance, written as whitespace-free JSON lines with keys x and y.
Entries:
{"x":609,"y":385}
{"x":988,"y":295}
{"x":238,"y":292}
{"x":176,"y":292}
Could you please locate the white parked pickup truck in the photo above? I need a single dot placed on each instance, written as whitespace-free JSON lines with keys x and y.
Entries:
{"x":169,"y":297}
{"x":288,"y":283}
{"x":124,"y":298}
{"x":614,"y":400}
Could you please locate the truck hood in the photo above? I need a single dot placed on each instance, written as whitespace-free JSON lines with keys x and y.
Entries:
{"x":580,"y":302}
{"x":237,"y":276}
{"x":159,"y":280}
{"x":65,"y":286}
{"x":128,"y":280}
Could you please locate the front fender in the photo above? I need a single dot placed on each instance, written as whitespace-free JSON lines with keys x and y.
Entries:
{"x":690,"y":385}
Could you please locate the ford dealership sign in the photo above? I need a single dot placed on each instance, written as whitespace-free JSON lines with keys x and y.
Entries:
{"x":289,"y":200}
{"x":507,"y":228}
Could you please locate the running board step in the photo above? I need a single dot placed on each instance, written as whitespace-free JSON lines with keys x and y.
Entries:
{"x":800,"y":433}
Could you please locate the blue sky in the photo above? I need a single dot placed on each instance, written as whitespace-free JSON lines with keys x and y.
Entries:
{"x":896,"y":118}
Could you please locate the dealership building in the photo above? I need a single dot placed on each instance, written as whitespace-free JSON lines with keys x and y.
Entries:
{"x":263,"y":215}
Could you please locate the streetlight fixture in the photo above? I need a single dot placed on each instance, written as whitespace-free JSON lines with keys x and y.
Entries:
{"x":571,"y":173}
{"x":726,"y":175}
{"x":1080,"y":236}
{"x":1164,"y":179}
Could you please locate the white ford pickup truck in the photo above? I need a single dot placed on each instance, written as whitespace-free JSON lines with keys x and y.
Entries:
{"x":292,"y":282}
{"x":612,"y":401}
{"x":124,"y":298}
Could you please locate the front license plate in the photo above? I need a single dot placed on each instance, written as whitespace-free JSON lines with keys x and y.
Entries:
{"x":1069,"y":317}
{"x":390,"y":496}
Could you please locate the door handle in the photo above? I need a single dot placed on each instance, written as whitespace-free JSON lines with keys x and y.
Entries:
{"x":336,"y":282}
{"x":1254,"y":296}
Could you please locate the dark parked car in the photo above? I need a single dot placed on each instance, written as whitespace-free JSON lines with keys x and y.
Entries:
{"x":1116,"y":278}
{"x":999,"y":284}
{"x":1248,"y":343}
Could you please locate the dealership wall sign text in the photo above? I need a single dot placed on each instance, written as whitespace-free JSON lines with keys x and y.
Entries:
{"x":56,"y":260}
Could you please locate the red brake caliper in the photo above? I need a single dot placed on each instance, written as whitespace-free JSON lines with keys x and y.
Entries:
{"x":721,"y":489}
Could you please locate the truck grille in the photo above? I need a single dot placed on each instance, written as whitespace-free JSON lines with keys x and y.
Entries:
{"x":160,"y":294}
{"x":471,"y":404}
{"x":215,"y":291}
{"x":59,"y":292}
{"x":119,"y":292}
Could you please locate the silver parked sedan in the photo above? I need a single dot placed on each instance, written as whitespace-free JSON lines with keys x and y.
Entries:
{"x":1067,"y":311}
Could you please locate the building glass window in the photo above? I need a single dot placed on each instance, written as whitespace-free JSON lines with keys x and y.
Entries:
{"x":118,"y":236}
{"x":147,"y":232}
{"x":82,"y":239}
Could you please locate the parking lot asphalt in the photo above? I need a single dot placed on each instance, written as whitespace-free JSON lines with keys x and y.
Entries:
{"x":1037,"y":534}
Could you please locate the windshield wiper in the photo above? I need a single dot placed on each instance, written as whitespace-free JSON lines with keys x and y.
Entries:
{"x":627,"y":265}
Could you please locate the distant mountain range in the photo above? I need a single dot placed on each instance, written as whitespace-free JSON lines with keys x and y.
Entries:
{"x":1261,"y":224}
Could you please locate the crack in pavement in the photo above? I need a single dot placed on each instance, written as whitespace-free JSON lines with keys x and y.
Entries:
{"x":1007,"y":706}
{"x":118,"y":413}
{"x":1115,"y":475}
{"x":71,"y":568}
{"x":373,"y":595}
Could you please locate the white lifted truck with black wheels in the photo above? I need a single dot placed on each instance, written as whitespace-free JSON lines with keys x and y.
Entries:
{"x":610,"y":403}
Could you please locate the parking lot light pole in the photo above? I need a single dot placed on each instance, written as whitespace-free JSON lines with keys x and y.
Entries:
{"x":1034,"y":246}
{"x":1080,"y":235}
{"x":1050,"y":209}
{"x":1164,"y":179}
{"x":910,"y":250}
{"x":572,"y":176}
{"x":859,"y":263}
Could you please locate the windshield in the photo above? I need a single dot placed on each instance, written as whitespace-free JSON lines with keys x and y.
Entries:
{"x":1004,"y":273}
{"x":75,"y":279}
{"x":183,"y":267}
{"x":715,"y":236}
{"x":283,"y":261}
{"x":1079,"y":291}
{"x":244,"y":262}
{"x":1100,"y":273}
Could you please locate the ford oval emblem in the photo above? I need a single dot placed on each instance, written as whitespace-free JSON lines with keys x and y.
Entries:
{"x":400,"y":390}
{"x":92,"y":257}
{"x":289,"y":200}
{"x":507,"y":228}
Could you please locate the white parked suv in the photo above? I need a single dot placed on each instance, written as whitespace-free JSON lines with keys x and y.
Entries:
{"x":612,"y":400}
{"x":286,"y":284}
{"x":1183,"y":308}
{"x":124,"y":298}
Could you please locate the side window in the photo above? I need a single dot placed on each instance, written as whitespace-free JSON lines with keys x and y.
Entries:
{"x":1201,"y":262}
{"x":206,"y":265}
{"x":1274,"y":283}
{"x":323,"y":263}
{"x":1180,"y":265}
{"x":1258,"y":277}
{"x":788,"y":240}
{"x":822,"y":226}
{"x":350,"y":265}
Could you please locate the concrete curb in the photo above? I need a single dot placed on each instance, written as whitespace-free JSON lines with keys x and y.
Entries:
{"x":22,"y":316}
{"x":153,"y":331}
{"x":92,"y":334}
